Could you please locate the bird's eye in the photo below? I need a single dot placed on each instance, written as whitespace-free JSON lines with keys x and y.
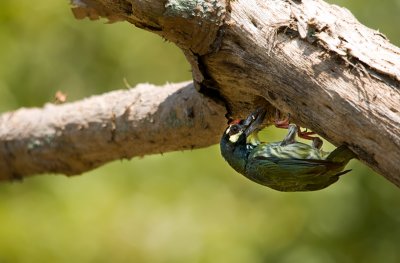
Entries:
{"x":234,"y":132}
{"x":234,"y":129}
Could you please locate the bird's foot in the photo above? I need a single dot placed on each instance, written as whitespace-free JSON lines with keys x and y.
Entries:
{"x":291,"y":136}
{"x":305,"y":134}
{"x":285,"y":123}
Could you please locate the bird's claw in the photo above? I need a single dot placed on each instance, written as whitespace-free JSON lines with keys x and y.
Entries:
{"x":306,"y":134}
{"x":285,"y":124}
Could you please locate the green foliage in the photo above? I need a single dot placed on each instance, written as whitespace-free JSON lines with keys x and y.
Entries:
{"x":177,"y":207}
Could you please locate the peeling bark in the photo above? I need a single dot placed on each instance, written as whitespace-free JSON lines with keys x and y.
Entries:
{"x":308,"y":58}
{"x":347,"y":97}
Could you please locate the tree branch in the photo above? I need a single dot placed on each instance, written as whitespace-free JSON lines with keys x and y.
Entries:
{"x":308,"y":58}
{"x":75,"y":137}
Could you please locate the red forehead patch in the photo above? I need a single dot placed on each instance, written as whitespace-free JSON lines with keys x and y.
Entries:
{"x":234,"y":122}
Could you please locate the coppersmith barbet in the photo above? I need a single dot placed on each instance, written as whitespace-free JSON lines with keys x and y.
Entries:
{"x":287,"y":165}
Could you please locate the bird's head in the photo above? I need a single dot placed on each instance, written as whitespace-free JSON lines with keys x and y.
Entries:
{"x":239,"y":130}
{"x":234,"y":146}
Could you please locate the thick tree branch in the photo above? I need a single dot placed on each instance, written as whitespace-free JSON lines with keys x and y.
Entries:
{"x":308,"y":58}
{"x":75,"y":137}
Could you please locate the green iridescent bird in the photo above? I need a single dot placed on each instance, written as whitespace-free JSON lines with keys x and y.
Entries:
{"x":284,"y":166}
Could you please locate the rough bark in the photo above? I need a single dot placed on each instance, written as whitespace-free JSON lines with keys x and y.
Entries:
{"x":310,"y":59}
{"x":76,"y":137}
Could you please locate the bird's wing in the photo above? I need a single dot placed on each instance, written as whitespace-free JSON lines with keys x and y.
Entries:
{"x":299,"y":162}
{"x":291,"y":174}
{"x":296,"y":167}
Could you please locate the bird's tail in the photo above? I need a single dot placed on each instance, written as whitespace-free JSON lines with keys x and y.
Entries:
{"x":341,"y":154}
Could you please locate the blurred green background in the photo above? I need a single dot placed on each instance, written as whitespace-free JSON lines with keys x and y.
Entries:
{"x":178,"y":207}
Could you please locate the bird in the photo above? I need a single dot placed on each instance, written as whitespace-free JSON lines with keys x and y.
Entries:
{"x":287,"y":165}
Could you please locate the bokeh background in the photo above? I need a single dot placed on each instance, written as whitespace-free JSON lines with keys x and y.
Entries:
{"x":178,"y":207}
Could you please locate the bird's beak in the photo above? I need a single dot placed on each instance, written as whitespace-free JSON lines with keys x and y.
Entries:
{"x":254,"y":121}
